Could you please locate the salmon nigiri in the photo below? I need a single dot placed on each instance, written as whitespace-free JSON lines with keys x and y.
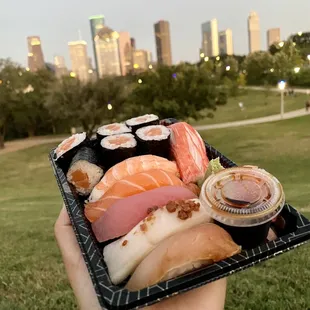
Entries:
{"x":129,"y":186}
{"x":129,"y":167}
{"x":189,"y":152}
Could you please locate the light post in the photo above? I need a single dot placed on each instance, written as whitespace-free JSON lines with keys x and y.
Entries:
{"x":296,"y":70}
{"x":281,"y":86}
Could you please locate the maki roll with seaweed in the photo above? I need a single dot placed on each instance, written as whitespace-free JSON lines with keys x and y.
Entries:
{"x":117,"y":148}
{"x":84,"y":172}
{"x":154,"y":139}
{"x":66,"y":150}
{"x":142,"y":121}
{"x":112,"y":129}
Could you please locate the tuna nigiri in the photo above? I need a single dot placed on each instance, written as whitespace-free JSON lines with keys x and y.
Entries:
{"x":129,"y":167}
{"x":125,"y":254}
{"x":126,"y":213}
{"x":189,"y":152}
{"x":129,"y":186}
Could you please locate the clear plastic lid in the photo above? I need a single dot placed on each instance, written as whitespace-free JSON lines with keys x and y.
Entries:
{"x":242,"y":196}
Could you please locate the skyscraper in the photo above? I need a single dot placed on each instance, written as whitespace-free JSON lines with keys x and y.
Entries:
{"x":140,"y":60}
{"x":163,"y":43}
{"x":273,"y":36}
{"x":107,"y":52}
{"x":35,"y":54}
{"x":96,"y":24}
{"x":125,"y":52}
{"x":210,"y":38}
{"x":254,"y":32}
{"x":226,"y":46}
{"x":133,"y":43}
{"x":60,"y":66}
{"x":79,"y":60}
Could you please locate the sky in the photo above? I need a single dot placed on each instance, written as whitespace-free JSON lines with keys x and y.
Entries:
{"x":58,"y":21}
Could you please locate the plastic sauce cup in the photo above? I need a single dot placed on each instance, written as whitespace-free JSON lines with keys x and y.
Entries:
{"x":244,"y":201}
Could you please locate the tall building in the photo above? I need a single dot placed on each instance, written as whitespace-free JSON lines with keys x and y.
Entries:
{"x":210,"y":38}
{"x":79,"y":60}
{"x":35,"y":54}
{"x":133,"y":43}
{"x":60,"y":66}
{"x":96,"y":24}
{"x":125,"y":52}
{"x":140,"y":60}
{"x":107,"y":52}
{"x":254,"y":32}
{"x":273,"y":36}
{"x":149,"y":57}
{"x":226,"y":46}
{"x":163,"y":43}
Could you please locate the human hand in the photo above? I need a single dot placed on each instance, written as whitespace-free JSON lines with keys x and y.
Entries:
{"x":208,"y":297}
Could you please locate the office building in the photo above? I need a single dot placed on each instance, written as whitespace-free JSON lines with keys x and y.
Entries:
{"x":254,"y":33}
{"x":226,"y":46}
{"x":35,"y":54}
{"x":96,"y":24}
{"x":140,"y":60}
{"x":273,"y":36}
{"x":210,"y":38}
{"x":107,"y":52}
{"x":125,"y":52}
{"x":163,"y":43}
{"x":60,"y":66}
{"x":79,"y":60}
{"x":133,"y":43}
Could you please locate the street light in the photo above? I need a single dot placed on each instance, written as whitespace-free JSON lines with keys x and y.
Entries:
{"x":281,"y":86}
{"x":218,"y":58}
{"x":150,"y":67}
{"x":110,"y":106}
{"x":227,"y":68}
{"x":206,"y":59}
{"x":202,"y":55}
{"x":140,"y":81}
{"x":271,"y":70}
{"x":281,"y":44}
{"x":296,"y":70}
{"x":72,"y":74}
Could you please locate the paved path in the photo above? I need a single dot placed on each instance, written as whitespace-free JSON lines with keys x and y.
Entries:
{"x":17,"y":145}
{"x":296,"y":90}
{"x":254,"y":121}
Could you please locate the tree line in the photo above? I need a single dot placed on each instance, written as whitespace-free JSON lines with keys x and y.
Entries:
{"x":38,"y":103}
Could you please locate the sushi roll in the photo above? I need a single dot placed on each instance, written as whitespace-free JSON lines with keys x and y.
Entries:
{"x":111,"y":129}
{"x":142,"y":121}
{"x":154,"y":140}
{"x":117,"y":148}
{"x":84,"y":172}
{"x":66,"y":150}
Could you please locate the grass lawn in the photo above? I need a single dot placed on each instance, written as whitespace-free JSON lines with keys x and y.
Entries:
{"x":32,"y":274}
{"x":256,"y":105}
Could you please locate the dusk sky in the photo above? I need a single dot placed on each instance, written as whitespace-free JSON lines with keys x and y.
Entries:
{"x":58,"y":22}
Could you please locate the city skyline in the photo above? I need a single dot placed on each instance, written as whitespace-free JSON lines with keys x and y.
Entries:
{"x":56,"y":35}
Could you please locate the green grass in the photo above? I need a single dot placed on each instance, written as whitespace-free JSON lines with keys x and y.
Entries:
{"x":31,"y":271}
{"x":256,"y":105}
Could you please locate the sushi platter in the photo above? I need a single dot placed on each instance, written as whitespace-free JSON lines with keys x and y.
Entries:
{"x":157,"y":211}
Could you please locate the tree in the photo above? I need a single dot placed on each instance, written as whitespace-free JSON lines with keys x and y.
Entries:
{"x":180,"y":92}
{"x":10,"y":84}
{"x":87,"y":104}
{"x":259,"y":67}
{"x":30,"y":112}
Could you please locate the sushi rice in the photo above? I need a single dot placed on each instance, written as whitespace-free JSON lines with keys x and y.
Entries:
{"x":114,"y":142}
{"x":113,"y":129}
{"x":69,"y":143}
{"x":153,"y":132}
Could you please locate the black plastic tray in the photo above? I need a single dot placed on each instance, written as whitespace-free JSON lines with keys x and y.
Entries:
{"x":295,"y":233}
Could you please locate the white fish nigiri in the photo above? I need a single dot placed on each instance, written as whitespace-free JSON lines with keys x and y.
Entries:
{"x":125,"y":254}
